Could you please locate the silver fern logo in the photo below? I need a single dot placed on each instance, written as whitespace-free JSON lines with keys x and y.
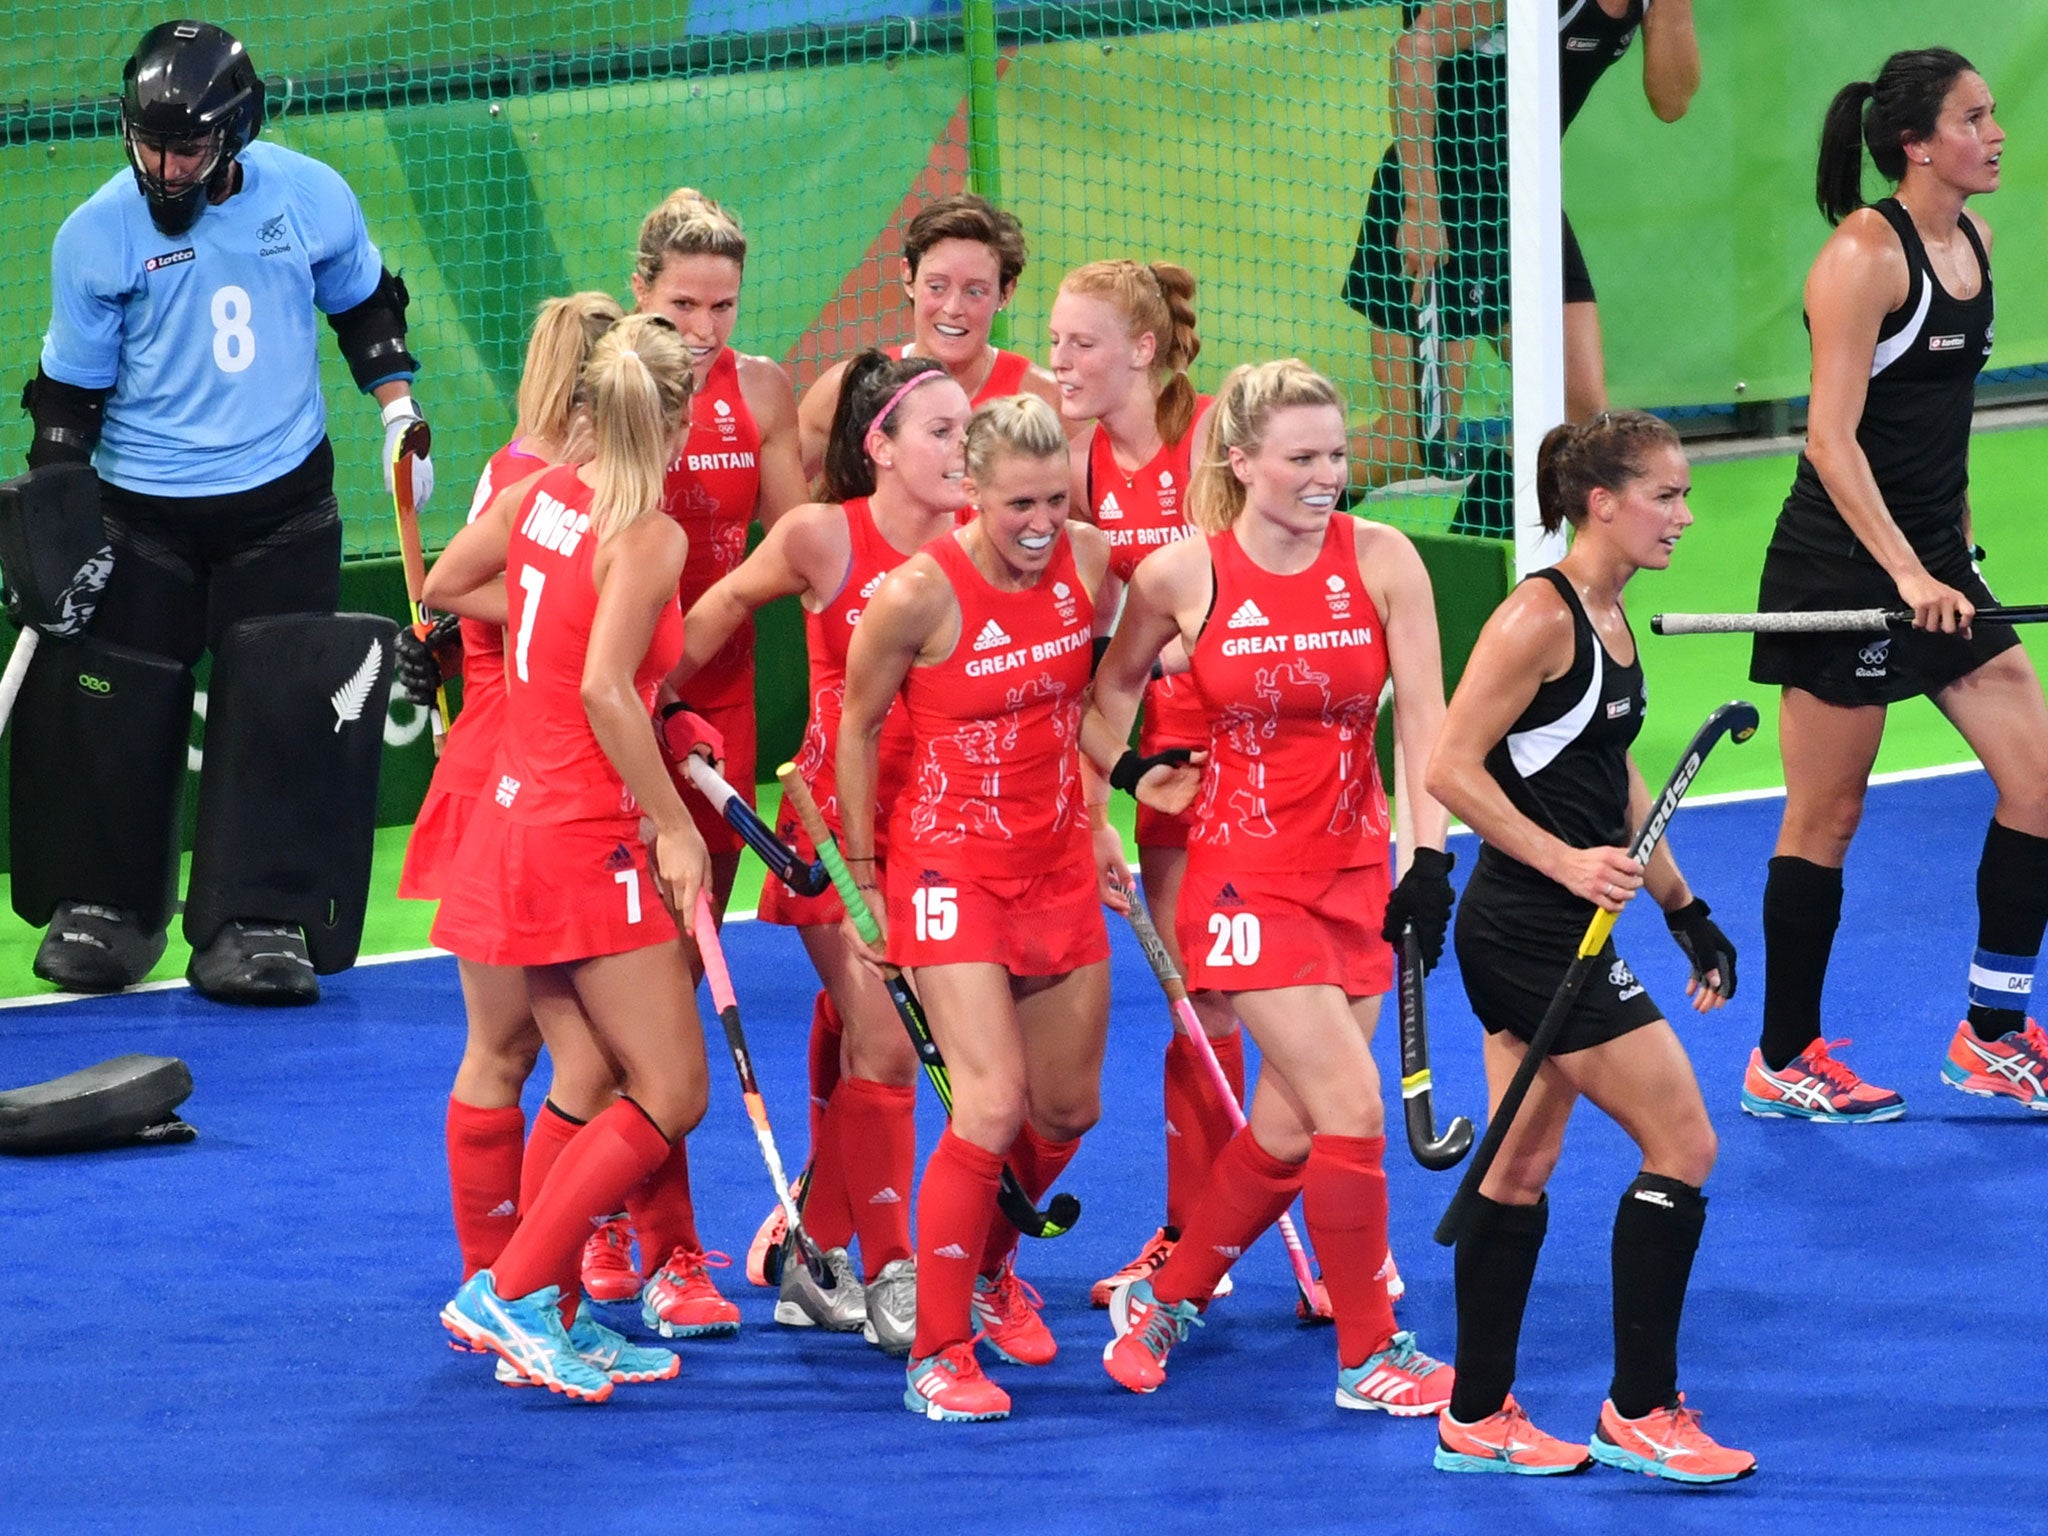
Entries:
{"x":351,"y":697}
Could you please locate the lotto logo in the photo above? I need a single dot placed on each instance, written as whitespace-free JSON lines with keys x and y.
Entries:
{"x":1616,"y":708}
{"x":992,"y":636}
{"x":508,"y":790}
{"x":873,"y":582}
{"x":1248,"y":616}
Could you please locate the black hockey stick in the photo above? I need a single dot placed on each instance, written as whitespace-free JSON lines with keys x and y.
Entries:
{"x":706,"y":933}
{"x":1434,"y":1152}
{"x":782,"y":861}
{"x":1063,"y":1210}
{"x":1737,"y":720}
{"x":1825,"y":621}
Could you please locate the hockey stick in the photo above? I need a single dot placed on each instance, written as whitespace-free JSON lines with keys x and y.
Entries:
{"x":781,"y":859}
{"x":1825,"y":621}
{"x":1434,"y":1152}
{"x":414,"y":443}
{"x":706,"y":932}
{"x":1737,"y":720}
{"x":1063,"y":1210}
{"x":1176,"y":991}
{"x":17,"y":671}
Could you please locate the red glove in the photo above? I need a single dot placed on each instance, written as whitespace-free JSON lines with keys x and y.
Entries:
{"x":683,"y":731}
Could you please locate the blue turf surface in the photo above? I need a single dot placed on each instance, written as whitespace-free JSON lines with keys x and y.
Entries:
{"x":240,"y":1333}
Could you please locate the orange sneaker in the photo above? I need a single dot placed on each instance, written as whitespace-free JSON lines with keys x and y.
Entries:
{"x":680,"y":1302}
{"x":609,"y":1273}
{"x":1006,"y":1311}
{"x":1667,"y":1442}
{"x":2014,"y":1066}
{"x":1505,"y":1442}
{"x":1157,"y":1250}
{"x":949,"y":1388}
{"x":1816,"y":1086}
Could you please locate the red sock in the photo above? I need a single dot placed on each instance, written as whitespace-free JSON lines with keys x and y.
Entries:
{"x":484,"y":1152}
{"x":609,"y":1157}
{"x":875,"y":1127}
{"x":828,"y":1214}
{"x":1197,"y":1122}
{"x":1344,"y":1197}
{"x":552,"y":1131}
{"x":954,"y":1208}
{"x":663,"y":1217}
{"x":1248,"y":1188}
{"x":1038,"y":1163}
{"x":826,"y":1028}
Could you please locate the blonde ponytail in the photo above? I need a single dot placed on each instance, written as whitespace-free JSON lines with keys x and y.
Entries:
{"x":563,"y":334}
{"x":687,"y":223}
{"x":639,"y":384}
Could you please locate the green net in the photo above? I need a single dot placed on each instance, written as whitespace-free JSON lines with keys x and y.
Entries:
{"x":499,"y":162}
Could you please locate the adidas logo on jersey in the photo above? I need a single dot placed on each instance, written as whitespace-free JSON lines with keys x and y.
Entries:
{"x":874,"y":582}
{"x":992,"y":636}
{"x":950,"y":1251}
{"x":503,"y":1208}
{"x":1228,"y":897}
{"x":885,"y":1196}
{"x":1109,"y":511}
{"x":618,"y":858}
{"x":1248,"y":616}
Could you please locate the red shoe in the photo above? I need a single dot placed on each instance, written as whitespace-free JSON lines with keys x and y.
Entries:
{"x":2014,"y":1066}
{"x":1400,"y":1380}
{"x":949,"y":1388}
{"x":609,"y":1273}
{"x":1006,"y":1311}
{"x":680,"y":1302}
{"x":1146,"y":1331}
{"x":1667,"y":1442}
{"x":1815,"y":1086}
{"x":1505,"y":1442}
{"x":1157,"y":1250}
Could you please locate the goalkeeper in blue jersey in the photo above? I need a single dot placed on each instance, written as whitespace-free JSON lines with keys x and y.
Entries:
{"x":182,"y":363}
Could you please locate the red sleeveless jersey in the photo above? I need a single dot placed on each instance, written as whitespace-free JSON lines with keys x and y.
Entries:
{"x":1138,"y":513}
{"x":550,"y":768}
{"x":712,"y":491}
{"x":827,"y":634}
{"x":1291,"y":669}
{"x":996,"y":769}
{"x":1005,"y":376}
{"x":472,"y":743}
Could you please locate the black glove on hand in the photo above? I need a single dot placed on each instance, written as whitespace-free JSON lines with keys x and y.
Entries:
{"x":418,"y":666}
{"x":1706,"y":947}
{"x":1423,"y":901}
{"x":1131,"y":767}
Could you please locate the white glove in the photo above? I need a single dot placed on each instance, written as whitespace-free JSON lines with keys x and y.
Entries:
{"x":398,"y":415}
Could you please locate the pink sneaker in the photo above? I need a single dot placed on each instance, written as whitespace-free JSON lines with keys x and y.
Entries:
{"x":1816,"y":1086}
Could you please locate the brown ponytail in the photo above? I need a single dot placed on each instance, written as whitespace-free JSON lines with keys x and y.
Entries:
{"x":1607,"y":453}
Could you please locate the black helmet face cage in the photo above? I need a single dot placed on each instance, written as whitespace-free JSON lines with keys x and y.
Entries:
{"x":149,"y":153}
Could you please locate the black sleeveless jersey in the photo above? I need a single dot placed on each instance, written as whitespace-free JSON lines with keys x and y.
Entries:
{"x":1471,"y":86}
{"x":1588,"y":42}
{"x":1915,"y":428}
{"x":1564,"y":762}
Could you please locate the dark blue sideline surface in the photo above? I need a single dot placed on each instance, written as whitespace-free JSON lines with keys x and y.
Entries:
{"x":240,"y":1333}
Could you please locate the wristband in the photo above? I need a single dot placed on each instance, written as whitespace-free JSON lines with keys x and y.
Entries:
{"x":1132,"y":767}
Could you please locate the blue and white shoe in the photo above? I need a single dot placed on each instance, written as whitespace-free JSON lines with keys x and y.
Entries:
{"x":1400,"y":1380}
{"x":609,"y":1351}
{"x":526,"y":1332}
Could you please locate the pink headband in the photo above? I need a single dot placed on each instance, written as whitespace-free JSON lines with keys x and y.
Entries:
{"x":905,"y":388}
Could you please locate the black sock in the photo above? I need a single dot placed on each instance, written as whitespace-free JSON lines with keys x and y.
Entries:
{"x":1656,"y":1233}
{"x":2012,"y":911}
{"x":1495,"y":1263}
{"x":1802,"y":909}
